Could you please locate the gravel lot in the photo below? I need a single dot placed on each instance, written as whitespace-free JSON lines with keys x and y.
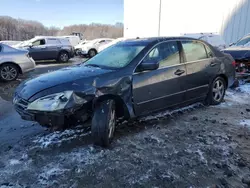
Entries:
{"x":195,"y":146}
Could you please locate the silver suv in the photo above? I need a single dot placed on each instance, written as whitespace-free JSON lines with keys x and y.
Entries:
{"x":49,"y":48}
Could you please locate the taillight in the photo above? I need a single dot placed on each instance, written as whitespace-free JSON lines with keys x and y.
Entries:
{"x":234,"y":63}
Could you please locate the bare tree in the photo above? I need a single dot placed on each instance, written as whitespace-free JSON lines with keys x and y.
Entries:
{"x":19,"y":29}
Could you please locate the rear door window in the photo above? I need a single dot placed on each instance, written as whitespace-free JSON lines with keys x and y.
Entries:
{"x":194,"y":50}
{"x":167,"y":54}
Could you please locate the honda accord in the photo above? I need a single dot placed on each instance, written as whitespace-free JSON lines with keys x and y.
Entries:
{"x":129,"y":79}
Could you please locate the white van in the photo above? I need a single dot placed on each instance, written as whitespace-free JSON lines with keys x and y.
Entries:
{"x":214,"y":39}
{"x":74,"y":40}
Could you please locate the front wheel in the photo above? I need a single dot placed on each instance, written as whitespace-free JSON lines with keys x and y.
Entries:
{"x":217,"y":91}
{"x":103,"y":123}
{"x":63,"y":57}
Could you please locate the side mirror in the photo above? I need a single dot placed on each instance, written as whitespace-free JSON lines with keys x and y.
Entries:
{"x":148,"y":65}
{"x":231,"y":44}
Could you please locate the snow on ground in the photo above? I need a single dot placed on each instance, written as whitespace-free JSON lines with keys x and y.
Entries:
{"x":245,"y":122}
{"x":181,"y":151}
{"x":58,"y":137}
{"x":244,"y":88}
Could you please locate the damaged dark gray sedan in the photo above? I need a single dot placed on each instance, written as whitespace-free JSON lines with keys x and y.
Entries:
{"x":130,"y":79}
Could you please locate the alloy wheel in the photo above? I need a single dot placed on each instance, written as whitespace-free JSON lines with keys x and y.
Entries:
{"x":92,"y":53}
{"x":218,"y":90}
{"x":8,"y":73}
{"x":64,"y":57}
{"x":112,"y":123}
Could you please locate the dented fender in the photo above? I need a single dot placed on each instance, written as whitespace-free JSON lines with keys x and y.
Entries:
{"x":119,"y":89}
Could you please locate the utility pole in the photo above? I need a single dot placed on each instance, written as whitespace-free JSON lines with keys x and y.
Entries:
{"x":159,"y":25}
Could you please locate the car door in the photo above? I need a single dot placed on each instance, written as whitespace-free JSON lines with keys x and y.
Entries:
{"x":38,"y":50}
{"x":201,"y":67}
{"x":53,"y":47}
{"x":161,"y":88}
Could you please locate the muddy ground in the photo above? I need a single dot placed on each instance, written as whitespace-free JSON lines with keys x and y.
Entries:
{"x":196,"y":146}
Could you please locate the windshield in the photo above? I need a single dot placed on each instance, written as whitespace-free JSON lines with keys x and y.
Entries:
{"x":243,"y":42}
{"x":116,"y":56}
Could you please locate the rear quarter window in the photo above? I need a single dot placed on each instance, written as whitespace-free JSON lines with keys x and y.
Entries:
{"x":209,"y":52}
{"x":194,"y":50}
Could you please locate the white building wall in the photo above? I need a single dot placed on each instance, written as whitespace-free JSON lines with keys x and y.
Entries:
{"x":230,"y":18}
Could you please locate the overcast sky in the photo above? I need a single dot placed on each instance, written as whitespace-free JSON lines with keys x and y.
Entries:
{"x":64,"y":12}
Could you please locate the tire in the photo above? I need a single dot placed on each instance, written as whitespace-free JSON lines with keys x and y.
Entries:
{"x":103,"y":123}
{"x":63,"y":57}
{"x":92,"y":53}
{"x":8,"y":72}
{"x":217,"y":91}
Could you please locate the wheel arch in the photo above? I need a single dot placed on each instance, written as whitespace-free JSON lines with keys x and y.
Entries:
{"x":224,"y":77}
{"x":63,"y":50}
{"x":121,"y":107}
{"x":13,"y":63}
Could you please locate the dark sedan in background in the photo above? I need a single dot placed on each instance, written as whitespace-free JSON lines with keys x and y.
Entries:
{"x":240,"y":51}
{"x":130,"y":79}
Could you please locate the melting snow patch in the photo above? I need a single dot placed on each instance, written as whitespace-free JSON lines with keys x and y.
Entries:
{"x":56,"y":138}
{"x":14,"y":162}
{"x":162,"y":114}
{"x":245,"y":88}
{"x":245,"y":122}
{"x":202,"y":158}
{"x":48,"y":174}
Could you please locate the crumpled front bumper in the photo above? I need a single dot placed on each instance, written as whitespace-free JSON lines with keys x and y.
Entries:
{"x":20,"y":106}
{"x":71,"y":109}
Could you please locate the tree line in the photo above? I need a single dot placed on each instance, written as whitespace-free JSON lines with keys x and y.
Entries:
{"x":19,"y":29}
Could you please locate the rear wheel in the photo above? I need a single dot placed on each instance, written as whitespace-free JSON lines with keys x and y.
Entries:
{"x":63,"y":57}
{"x":92,"y":53}
{"x":103,"y":123}
{"x":8,"y":72}
{"x":217,"y":91}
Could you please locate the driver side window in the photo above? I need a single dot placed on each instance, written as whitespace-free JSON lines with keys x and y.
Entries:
{"x":167,"y":54}
{"x":39,"y":42}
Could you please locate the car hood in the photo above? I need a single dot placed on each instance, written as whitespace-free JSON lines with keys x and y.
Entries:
{"x":70,"y":76}
{"x":238,"y":52}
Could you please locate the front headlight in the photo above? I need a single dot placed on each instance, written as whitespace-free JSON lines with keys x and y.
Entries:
{"x":56,"y":102}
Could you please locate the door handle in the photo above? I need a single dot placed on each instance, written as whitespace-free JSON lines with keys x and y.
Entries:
{"x":179,"y":72}
{"x":213,"y":64}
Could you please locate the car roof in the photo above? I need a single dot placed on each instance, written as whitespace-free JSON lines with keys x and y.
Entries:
{"x":154,"y":40}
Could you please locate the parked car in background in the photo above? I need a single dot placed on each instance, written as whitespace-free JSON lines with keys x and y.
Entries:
{"x":80,"y":35}
{"x":73,"y":39}
{"x":214,"y":39}
{"x":110,"y":44}
{"x":78,"y":48}
{"x":129,"y":79}
{"x":49,"y":48}
{"x":92,"y":47}
{"x":19,"y":45}
{"x":14,"y":62}
{"x":240,"y":51}
{"x":9,"y":42}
